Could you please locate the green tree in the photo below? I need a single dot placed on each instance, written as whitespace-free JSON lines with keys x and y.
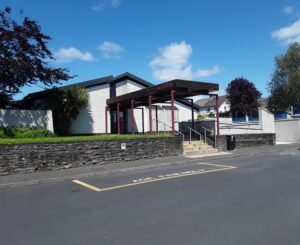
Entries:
{"x":243,"y":97}
{"x":24,"y":57}
{"x":66,"y":105}
{"x":284,"y":87}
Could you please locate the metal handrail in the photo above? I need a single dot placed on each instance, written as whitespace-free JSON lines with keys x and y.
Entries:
{"x":170,"y":127}
{"x":212,"y":132}
{"x":247,"y":126}
{"x":190,"y":129}
{"x":206,"y":129}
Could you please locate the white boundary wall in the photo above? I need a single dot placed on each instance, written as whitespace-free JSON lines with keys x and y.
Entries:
{"x":266,"y":121}
{"x":288,"y":130}
{"x":26,"y":118}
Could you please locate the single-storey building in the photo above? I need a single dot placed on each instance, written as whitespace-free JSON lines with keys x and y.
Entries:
{"x":105,"y":113}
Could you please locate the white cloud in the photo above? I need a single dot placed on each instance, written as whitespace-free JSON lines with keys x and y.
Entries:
{"x":66,"y":55}
{"x":173,"y":62}
{"x":288,"y":34}
{"x":111,"y":50}
{"x":115,"y":3}
{"x":99,"y":7}
{"x":175,"y":54}
{"x":288,"y":9}
{"x":208,"y":72}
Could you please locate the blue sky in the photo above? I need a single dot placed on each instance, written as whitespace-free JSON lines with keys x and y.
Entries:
{"x":211,"y":40}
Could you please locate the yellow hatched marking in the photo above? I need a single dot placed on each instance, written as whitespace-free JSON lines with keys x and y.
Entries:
{"x":94,"y":188}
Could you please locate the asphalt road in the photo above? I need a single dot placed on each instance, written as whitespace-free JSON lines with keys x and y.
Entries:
{"x":258,"y":202}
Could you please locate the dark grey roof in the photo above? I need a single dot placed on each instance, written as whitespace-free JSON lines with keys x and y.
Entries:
{"x":90,"y":83}
{"x":105,"y":80}
{"x":96,"y":82}
{"x":85,"y":84}
{"x":211,"y":102}
{"x":202,"y":102}
{"x":136,"y":79}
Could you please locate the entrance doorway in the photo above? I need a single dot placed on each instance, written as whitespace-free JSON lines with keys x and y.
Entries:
{"x":123,"y":122}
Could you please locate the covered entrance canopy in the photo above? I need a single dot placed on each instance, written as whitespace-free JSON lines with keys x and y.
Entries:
{"x":169,"y":91}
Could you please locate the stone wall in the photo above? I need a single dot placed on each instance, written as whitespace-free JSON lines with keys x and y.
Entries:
{"x":22,"y":158}
{"x":247,"y":140}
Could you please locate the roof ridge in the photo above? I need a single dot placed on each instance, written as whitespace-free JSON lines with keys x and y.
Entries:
{"x":133,"y":77}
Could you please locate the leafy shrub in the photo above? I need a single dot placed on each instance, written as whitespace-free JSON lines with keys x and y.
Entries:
{"x":66,"y":105}
{"x":23,"y":132}
{"x":201,"y":117}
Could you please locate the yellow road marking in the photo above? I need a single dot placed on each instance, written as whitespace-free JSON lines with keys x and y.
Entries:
{"x":216,"y":165}
{"x":94,"y":188}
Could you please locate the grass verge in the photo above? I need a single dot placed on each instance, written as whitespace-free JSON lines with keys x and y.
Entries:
{"x":80,"y":138}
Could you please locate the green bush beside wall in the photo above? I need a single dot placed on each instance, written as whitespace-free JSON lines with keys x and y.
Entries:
{"x":24,"y":132}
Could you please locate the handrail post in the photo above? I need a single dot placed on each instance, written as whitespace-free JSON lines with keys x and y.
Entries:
{"x":204,"y":135}
{"x":190,"y":135}
{"x":171,"y":127}
{"x":215,"y":141}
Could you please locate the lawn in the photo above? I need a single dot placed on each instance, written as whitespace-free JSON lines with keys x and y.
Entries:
{"x":80,"y":138}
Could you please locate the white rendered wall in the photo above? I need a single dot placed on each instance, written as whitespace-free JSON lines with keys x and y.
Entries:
{"x":27,"y":118}
{"x":266,"y":121}
{"x":288,"y":130}
{"x":224,"y":107}
{"x":91,"y":119}
{"x":127,"y":86}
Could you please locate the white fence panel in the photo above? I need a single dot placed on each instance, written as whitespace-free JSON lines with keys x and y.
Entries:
{"x":26,"y":118}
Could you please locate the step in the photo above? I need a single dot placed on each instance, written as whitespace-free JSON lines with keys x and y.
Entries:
{"x":209,"y":151}
{"x":187,"y":142}
{"x":194,"y":143}
{"x":192,"y":151}
{"x":198,"y":147}
{"x":200,"y":152}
